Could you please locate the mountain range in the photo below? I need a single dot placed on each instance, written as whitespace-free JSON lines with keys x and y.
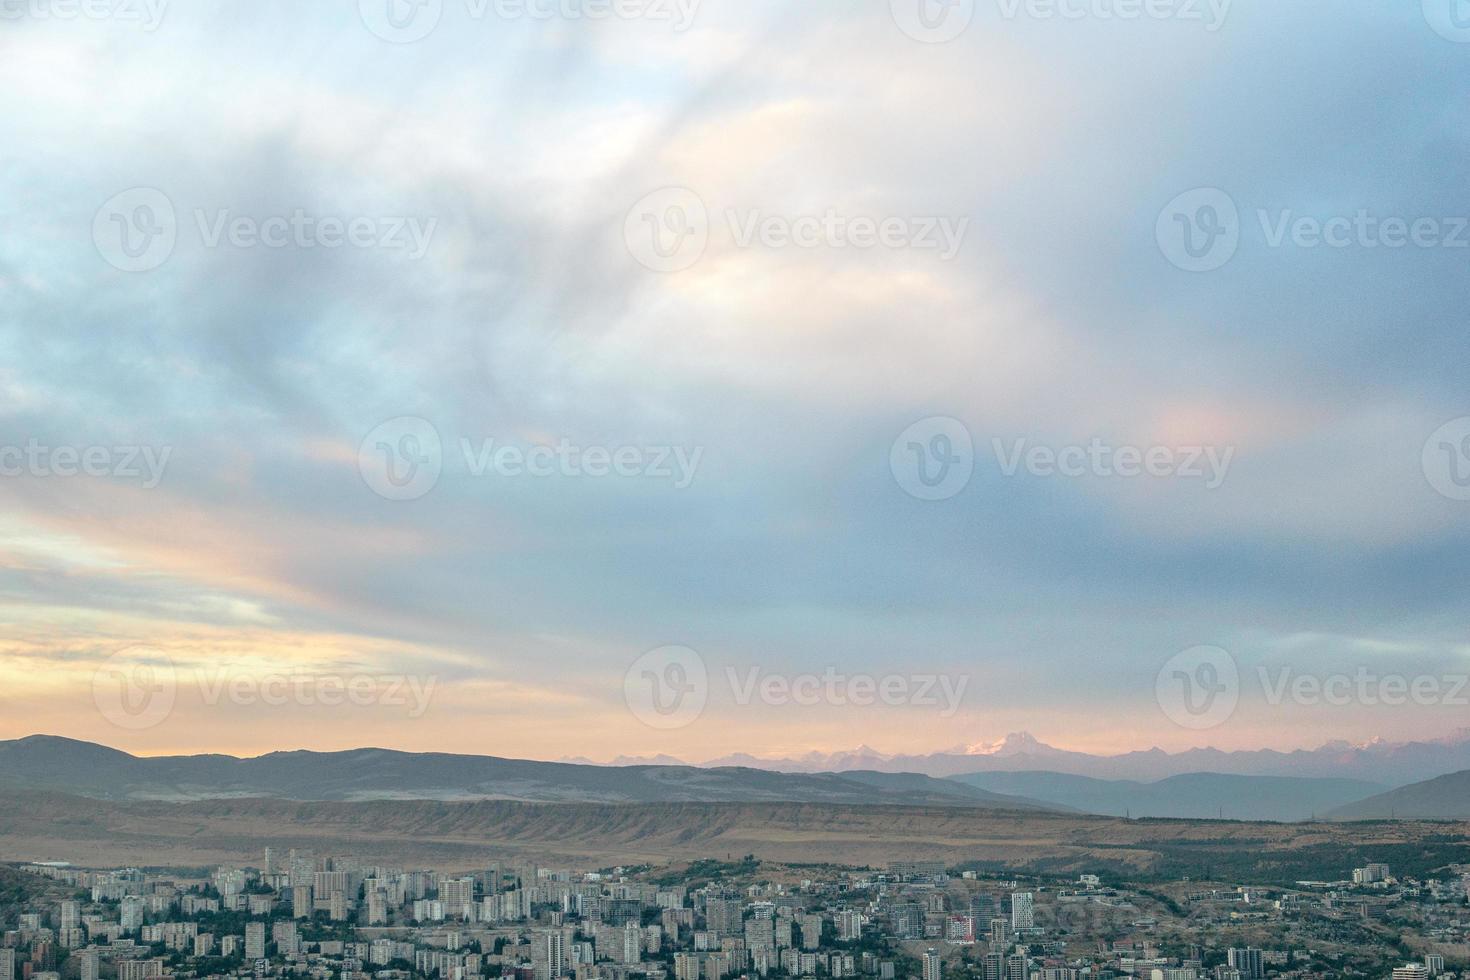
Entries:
{"x":62,"y":765}
{"x":1196,"y":796}
{"x":1378,"y":761}
{"x":1442,"y":798}
{"x":43,"y":763}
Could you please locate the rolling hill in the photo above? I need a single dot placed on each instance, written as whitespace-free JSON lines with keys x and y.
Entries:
{"x":1196,"y":796}
{"x":1441,"y":798}
{"x":62,"y":765}
{"x":459,"y":835}
{"x":1375,"y":761}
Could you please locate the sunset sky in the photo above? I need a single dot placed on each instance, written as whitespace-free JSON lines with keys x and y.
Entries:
{"x":259,"y":379}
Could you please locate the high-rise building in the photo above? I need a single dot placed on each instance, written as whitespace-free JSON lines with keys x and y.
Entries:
{"x":632,"y":944}
{"x":933,"y":965}
{"x":131,"y":914}
{"x":89,"y":965}
{"x":286,"y":938}
{"x":1370,"y":873}
{"x":1435,"y":963}
{"x":377,"y":908}
{"x":724,"y":916}
{"x":458,"y":896}
{"x":760,"y":935}
{"x":1016,"y":968}
{"x":1023,"y":911}
{"x":811,"y":932}
{"x":7,"y":963}
{"x":71,"y":916}
{"x":301,"y":901}
{"x":555,"y":949}
{"x":1249,"y":961}
{"x":139,"y":969}
{"x":255,"y":940}
{"x":908,"y":920}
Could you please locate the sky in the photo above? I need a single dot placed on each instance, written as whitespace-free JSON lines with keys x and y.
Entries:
{"x":550,"y":378}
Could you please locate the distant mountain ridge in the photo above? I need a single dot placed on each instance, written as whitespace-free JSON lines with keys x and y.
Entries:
{"x":62,"y":765}
{"x":1376,"y":761}
{"x":1444,"y":797}
{"x":1194,"y":796}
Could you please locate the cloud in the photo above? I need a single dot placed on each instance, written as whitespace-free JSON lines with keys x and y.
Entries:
{"x":791,"y":369}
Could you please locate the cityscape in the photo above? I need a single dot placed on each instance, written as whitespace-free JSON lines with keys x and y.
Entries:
{"x":335,"y":917}
{"x":734,"y":490}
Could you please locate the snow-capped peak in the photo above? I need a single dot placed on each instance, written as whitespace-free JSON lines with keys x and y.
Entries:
{"x":1016,"y":743}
